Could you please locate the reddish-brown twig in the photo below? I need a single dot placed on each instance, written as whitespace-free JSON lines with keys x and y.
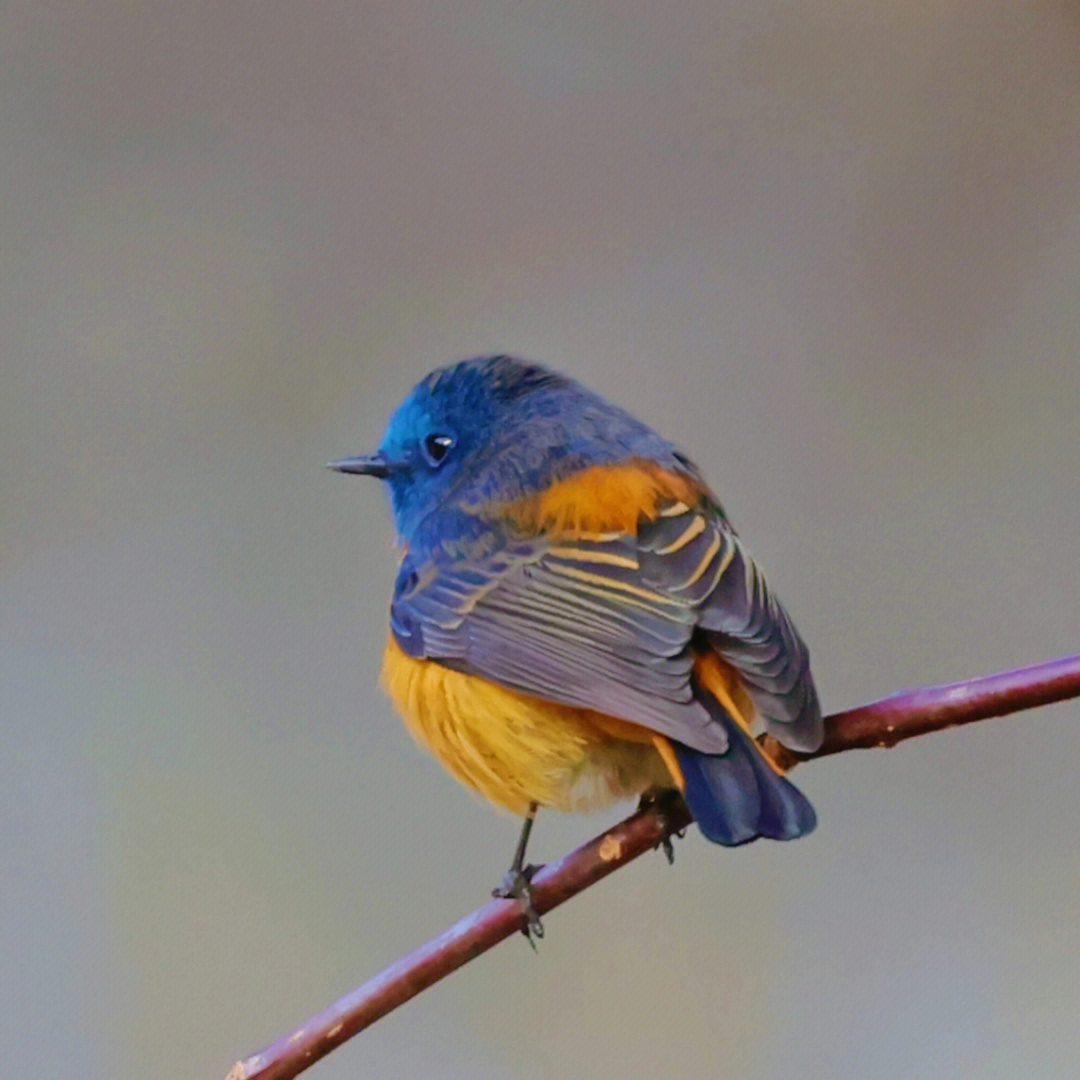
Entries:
{"x":882,"y":723}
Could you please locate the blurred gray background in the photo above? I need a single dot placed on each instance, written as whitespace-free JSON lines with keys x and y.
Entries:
{"x":834,"y":249}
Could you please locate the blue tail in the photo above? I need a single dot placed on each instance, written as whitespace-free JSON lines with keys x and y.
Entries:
{"x":737,"y":796}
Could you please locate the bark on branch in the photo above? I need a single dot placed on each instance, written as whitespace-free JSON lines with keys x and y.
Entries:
{"x":882,"y":723}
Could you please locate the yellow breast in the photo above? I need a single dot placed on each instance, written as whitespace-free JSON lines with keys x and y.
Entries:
{"x":515,"y":749}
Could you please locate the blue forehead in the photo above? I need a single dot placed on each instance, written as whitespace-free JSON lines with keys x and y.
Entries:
{"x":469,"y":397}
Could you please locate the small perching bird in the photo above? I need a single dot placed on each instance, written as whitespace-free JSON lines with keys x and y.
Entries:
{"x":574,"y":620}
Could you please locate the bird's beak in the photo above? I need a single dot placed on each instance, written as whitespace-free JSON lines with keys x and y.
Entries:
{"x":364,"y":465}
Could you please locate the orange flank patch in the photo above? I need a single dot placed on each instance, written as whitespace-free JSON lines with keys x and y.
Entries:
{"x":721,"y":680}
{"x":604,"y":499}
{"x":670,"y":760}
{"x":515,"y":749}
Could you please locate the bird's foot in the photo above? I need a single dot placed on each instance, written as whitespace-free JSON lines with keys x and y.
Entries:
{"x":517,"y":885}
{"x":663,"y":801}
{"x":667,"y":846}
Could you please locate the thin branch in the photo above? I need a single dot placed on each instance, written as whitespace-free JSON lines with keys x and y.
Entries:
{"x":882,"y":723}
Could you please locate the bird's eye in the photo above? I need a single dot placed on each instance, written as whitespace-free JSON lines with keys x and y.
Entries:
{"x":436,"y":447}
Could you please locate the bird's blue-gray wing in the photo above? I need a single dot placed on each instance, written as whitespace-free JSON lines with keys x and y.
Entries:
{"x":741,"y":619}
{"x":612,"y":624}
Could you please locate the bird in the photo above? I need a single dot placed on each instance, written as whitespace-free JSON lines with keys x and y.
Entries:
{"x":574,"y":620}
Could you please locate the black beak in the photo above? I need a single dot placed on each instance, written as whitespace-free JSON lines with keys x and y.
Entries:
{"x":364,"y":465}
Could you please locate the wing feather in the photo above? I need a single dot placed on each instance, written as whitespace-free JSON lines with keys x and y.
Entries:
{"x":612,"y":622}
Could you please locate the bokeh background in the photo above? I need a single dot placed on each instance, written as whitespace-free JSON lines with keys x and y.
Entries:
{"x":832,"y":248}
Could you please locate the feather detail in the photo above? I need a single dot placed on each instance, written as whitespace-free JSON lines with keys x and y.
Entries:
{"x":602,"y":500}
{"x":515,"y":749}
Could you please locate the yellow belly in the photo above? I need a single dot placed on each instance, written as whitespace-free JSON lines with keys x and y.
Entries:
{"x":515,"y":749}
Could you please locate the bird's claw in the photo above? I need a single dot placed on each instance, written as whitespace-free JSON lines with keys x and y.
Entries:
{"x":667,"y":846}
{"x":669,"y":850}
{"x":662,"y":801}
{"x":517,"y":885}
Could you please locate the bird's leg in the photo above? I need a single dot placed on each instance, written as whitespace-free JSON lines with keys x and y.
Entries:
{"x":662,"y":800}
{"x":516,"y":882}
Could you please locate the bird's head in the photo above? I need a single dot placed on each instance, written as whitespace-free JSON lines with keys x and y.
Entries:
{"x":491,"y":430}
